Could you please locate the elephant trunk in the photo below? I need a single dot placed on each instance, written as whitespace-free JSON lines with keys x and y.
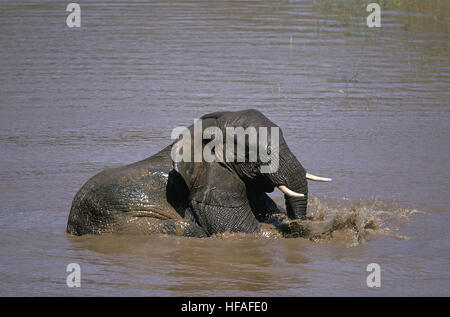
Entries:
{"x":291,"y":180}
{"x":296,"y":206}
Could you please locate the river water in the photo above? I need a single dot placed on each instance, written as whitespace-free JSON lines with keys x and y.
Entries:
{"x":368,"y":107}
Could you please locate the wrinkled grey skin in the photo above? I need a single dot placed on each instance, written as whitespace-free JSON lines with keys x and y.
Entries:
{"x":196,"y":199}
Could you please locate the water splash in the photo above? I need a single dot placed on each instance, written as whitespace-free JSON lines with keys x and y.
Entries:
{"x":355,"y":221}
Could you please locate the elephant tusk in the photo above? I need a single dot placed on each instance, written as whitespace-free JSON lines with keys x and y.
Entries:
{"x":289,"y":192}
{"x":317,"y":178}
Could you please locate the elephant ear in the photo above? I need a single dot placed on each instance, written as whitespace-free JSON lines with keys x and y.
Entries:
{"x":219,"y":202}
{"x":183,"y":157}
{"x":248,"y":124}
{"x":216,"y":185}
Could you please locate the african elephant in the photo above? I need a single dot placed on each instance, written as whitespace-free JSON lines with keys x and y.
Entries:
{"x":196,"y":198}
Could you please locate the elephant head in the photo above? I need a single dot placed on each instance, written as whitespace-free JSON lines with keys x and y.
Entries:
{"x":234,"y":152}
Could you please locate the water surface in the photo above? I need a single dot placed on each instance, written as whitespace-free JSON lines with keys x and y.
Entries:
{"x":366,"y":107}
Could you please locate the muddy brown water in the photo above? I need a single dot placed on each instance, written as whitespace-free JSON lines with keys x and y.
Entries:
{"x":367,"y":107}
